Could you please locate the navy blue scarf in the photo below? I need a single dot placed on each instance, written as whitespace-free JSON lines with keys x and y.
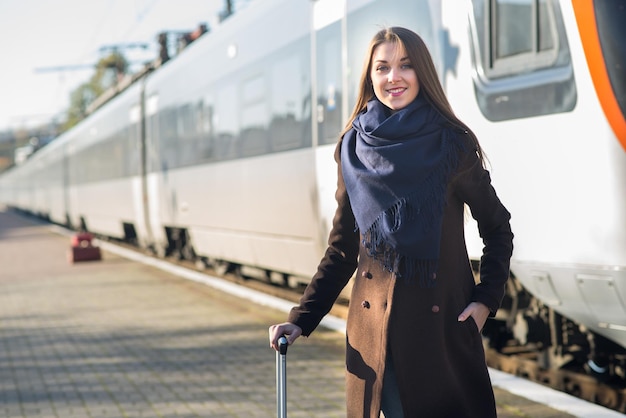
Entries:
{"x":396,"y":168}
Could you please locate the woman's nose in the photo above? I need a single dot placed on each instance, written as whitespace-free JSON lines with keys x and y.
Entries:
{"x":393,"y":76}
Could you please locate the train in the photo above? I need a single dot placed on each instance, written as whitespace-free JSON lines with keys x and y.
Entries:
{"x":224,"y":155}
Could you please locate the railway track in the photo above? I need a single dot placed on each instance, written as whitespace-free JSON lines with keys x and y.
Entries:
{"x":578,"y":384}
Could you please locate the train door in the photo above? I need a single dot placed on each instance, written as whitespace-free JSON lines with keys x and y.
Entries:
{"x":154,"y":170}
{"x":141,"y":208}
{"x":329,"y":99}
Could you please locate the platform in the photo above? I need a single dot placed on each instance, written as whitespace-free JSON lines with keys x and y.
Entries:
{"x":121,"y":338}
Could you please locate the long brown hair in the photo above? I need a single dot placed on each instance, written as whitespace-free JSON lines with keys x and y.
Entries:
{"x":422,"y":63}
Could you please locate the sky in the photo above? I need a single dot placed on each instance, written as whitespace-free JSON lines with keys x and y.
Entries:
{"x":39,"y":35}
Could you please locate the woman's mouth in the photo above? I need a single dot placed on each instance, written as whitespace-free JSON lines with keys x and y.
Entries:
{"x":396,"y":92}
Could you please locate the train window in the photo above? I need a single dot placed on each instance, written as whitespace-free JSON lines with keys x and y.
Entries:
{"x":226,"y":123}
{"x":610,"y":17}
{"x":546,"y":34}
{"x":152,"y":134}
{"x":522,"y":37}
{"x":185,"y":122}
{"x":205,"y":128}
{"x":287,"y":127}
{"x":329,"y":94}
{"x":168,"y":146}
{"x":207,"y":115}
{"x":198,"y":111}
{"x":186,"y":135}
{"x":254,"y":119}
{"x":513,"y":27}
{"x":523,"y":66}
{"x":134,"y":131}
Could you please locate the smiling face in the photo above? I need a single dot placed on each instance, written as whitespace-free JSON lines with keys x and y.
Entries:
{"x":393,"y":77}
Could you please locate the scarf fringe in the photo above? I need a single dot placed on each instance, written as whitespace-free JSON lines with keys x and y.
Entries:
{"x":425,"y":206}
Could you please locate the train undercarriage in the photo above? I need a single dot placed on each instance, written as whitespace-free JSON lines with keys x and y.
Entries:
{"x":530,"y":339}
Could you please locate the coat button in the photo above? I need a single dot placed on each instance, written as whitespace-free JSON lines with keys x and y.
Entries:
{"x":435,"y":308}
{"x":366,"y":275}
{"x":365,"y":304}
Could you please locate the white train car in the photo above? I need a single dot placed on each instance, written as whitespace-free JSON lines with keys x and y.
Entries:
{"x":103,"y":155}
{"x":224,"y":154}
{"x":39,"y":185}
{"x":551,"y":116}
{"x":231,"y":167}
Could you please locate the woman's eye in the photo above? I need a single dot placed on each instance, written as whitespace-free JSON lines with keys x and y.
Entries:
{"x":382,"y":68}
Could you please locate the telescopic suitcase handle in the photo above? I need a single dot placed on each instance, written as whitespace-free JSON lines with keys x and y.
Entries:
{"x":282,"y":345}
{"x":281,"y":377}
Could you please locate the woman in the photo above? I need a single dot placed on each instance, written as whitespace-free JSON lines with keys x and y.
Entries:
{"x":407,"y":166}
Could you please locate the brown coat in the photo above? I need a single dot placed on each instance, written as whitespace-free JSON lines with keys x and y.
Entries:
{"x":439,"y":362}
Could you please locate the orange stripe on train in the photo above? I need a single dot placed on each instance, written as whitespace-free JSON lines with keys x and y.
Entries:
{"x":586,"y":19}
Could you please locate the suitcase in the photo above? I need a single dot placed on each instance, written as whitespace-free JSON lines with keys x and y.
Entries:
{"x":82,"y":248}
{"x":78,"y":254}
{"x":281,"y":378}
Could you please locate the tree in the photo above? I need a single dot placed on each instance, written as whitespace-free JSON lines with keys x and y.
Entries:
{"x":80,"y":99}
{"x":108,"y":71}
